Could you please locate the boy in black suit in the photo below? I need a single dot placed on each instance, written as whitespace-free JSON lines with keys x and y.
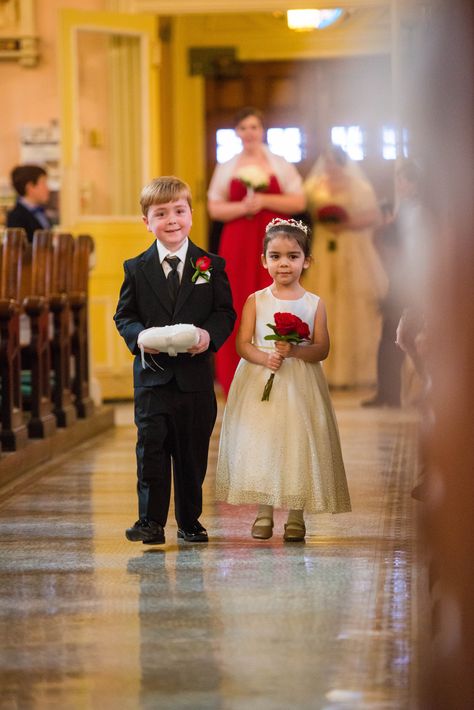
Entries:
{"x":31,"y":185}
{"x":175,"y":404}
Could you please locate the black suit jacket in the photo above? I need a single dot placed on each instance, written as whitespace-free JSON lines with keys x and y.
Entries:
{"x":144,"y":302}
{"x":19,"y":216}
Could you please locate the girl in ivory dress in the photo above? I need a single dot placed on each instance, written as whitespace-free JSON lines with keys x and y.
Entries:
{"x":284,"y":452}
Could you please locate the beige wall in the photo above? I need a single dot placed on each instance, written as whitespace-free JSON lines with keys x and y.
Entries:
{"x":30,"y":95}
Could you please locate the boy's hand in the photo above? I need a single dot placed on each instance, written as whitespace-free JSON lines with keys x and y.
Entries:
{"x":202,"y":344}
{"x":284,"y":349}
{"x":151,"y":351}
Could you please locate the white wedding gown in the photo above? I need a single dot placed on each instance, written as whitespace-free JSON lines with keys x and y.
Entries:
{"x":349,"y":276}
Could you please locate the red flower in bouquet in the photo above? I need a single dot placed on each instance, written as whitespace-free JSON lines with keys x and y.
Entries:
{"x":332,"y":214}
{"x":287,"y":328}
{"x":287,"y":324}
{"x":202,"y":268}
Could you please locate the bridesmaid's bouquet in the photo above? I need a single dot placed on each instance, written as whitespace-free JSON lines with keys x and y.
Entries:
{"x":253,"y":177}
{"x":332,"y":214}
{"x":287,"y":328}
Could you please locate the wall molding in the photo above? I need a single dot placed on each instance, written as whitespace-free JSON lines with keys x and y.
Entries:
{"x":18,"y":37}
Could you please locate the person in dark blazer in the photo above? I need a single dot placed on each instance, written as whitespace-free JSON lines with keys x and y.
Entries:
{"x":175,"y":404}
{"x":31,"y":185}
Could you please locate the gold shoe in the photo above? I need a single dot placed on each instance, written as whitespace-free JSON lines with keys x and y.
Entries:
{"x":262,"y":530}
{"x":294,"y":532}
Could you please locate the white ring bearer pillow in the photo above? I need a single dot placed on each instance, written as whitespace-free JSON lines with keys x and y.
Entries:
{"x":172,"y":339}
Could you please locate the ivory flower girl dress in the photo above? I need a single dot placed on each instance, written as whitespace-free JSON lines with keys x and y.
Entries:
{"x":286,"y":451}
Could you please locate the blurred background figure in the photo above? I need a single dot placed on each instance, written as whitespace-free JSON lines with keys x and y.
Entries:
{"x":394,"y":243}
{"x":410,"y":278}
{"x":246,"y":193}
{"x":347,"y":271}
{"x":30,"y":182}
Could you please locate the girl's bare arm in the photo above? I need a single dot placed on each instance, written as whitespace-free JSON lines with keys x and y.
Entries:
{"x":245,"y":348}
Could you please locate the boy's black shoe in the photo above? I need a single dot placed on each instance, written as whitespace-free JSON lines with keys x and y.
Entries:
{"x":147,"y":531}
{"x":195,"y":533}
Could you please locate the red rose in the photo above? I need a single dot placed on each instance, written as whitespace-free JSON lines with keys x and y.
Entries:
{"x":203,"y":263}
{"x":202,"y":268}
{"x":287,"y":328}
{"x":332,"y":214}
{"x":286,"y":323}
{"x":302,"y":329}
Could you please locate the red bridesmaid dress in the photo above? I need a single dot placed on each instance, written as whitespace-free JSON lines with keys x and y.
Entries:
{"x":241,"y":247}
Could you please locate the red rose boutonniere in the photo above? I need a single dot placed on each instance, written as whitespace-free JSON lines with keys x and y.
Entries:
{"x":287,"y":328}
{"x":202,"y":268}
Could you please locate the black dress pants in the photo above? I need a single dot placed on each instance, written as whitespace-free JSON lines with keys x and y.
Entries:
{"x":174,"y":430}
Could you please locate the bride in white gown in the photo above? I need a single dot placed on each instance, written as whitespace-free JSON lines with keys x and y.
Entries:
{"x":347,"y":272}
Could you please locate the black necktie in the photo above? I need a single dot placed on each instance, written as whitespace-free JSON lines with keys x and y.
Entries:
{"x":173,"y":277}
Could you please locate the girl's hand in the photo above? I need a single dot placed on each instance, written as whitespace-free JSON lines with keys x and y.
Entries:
{"x":274,"y":361}
{"x":284,"y":349}
{"x":151,"y":351}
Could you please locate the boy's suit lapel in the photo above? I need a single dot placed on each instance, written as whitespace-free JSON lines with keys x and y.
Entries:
{"x":187,"y":286}
{"x":153,"y":271}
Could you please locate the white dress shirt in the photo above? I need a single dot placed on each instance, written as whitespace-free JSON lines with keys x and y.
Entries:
{"x":163,"y":252}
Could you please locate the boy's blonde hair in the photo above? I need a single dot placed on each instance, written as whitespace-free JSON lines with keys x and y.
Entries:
{"x":166,"y":188}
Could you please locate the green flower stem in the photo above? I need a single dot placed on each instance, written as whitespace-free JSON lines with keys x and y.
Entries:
{"x":268,"y":388}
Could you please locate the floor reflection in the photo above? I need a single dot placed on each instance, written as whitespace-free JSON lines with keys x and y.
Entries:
{"x":177,"y":630}
{"x":90,"y":620}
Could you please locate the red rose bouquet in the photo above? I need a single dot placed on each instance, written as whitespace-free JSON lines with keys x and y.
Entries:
{"x":287,"y":328}
{"x":332,"y":214}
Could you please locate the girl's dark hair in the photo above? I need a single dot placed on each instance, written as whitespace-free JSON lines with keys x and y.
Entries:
{"x":291,"y":229}
{"x":247,"y":111}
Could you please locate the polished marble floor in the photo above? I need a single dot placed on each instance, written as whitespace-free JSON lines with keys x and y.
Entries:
{"x":89,"y":620}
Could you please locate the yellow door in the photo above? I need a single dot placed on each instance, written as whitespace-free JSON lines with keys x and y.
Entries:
{"x":110,"y":137}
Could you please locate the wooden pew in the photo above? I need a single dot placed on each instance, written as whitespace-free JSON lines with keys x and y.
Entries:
{"x":36,"y":357}
{"x":48,"y":282}
{"x":61,"y":282}
{"x":83,"y":248}
{"x":13,"y":434}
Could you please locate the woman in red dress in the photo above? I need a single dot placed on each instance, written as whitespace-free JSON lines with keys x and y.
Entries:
{"x":246,"y":193}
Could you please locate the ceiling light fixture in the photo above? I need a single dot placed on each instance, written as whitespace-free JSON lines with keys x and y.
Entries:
{"x":306,"y":20}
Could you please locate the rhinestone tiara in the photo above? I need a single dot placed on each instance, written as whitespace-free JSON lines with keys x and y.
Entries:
{"x":278,"y":222}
